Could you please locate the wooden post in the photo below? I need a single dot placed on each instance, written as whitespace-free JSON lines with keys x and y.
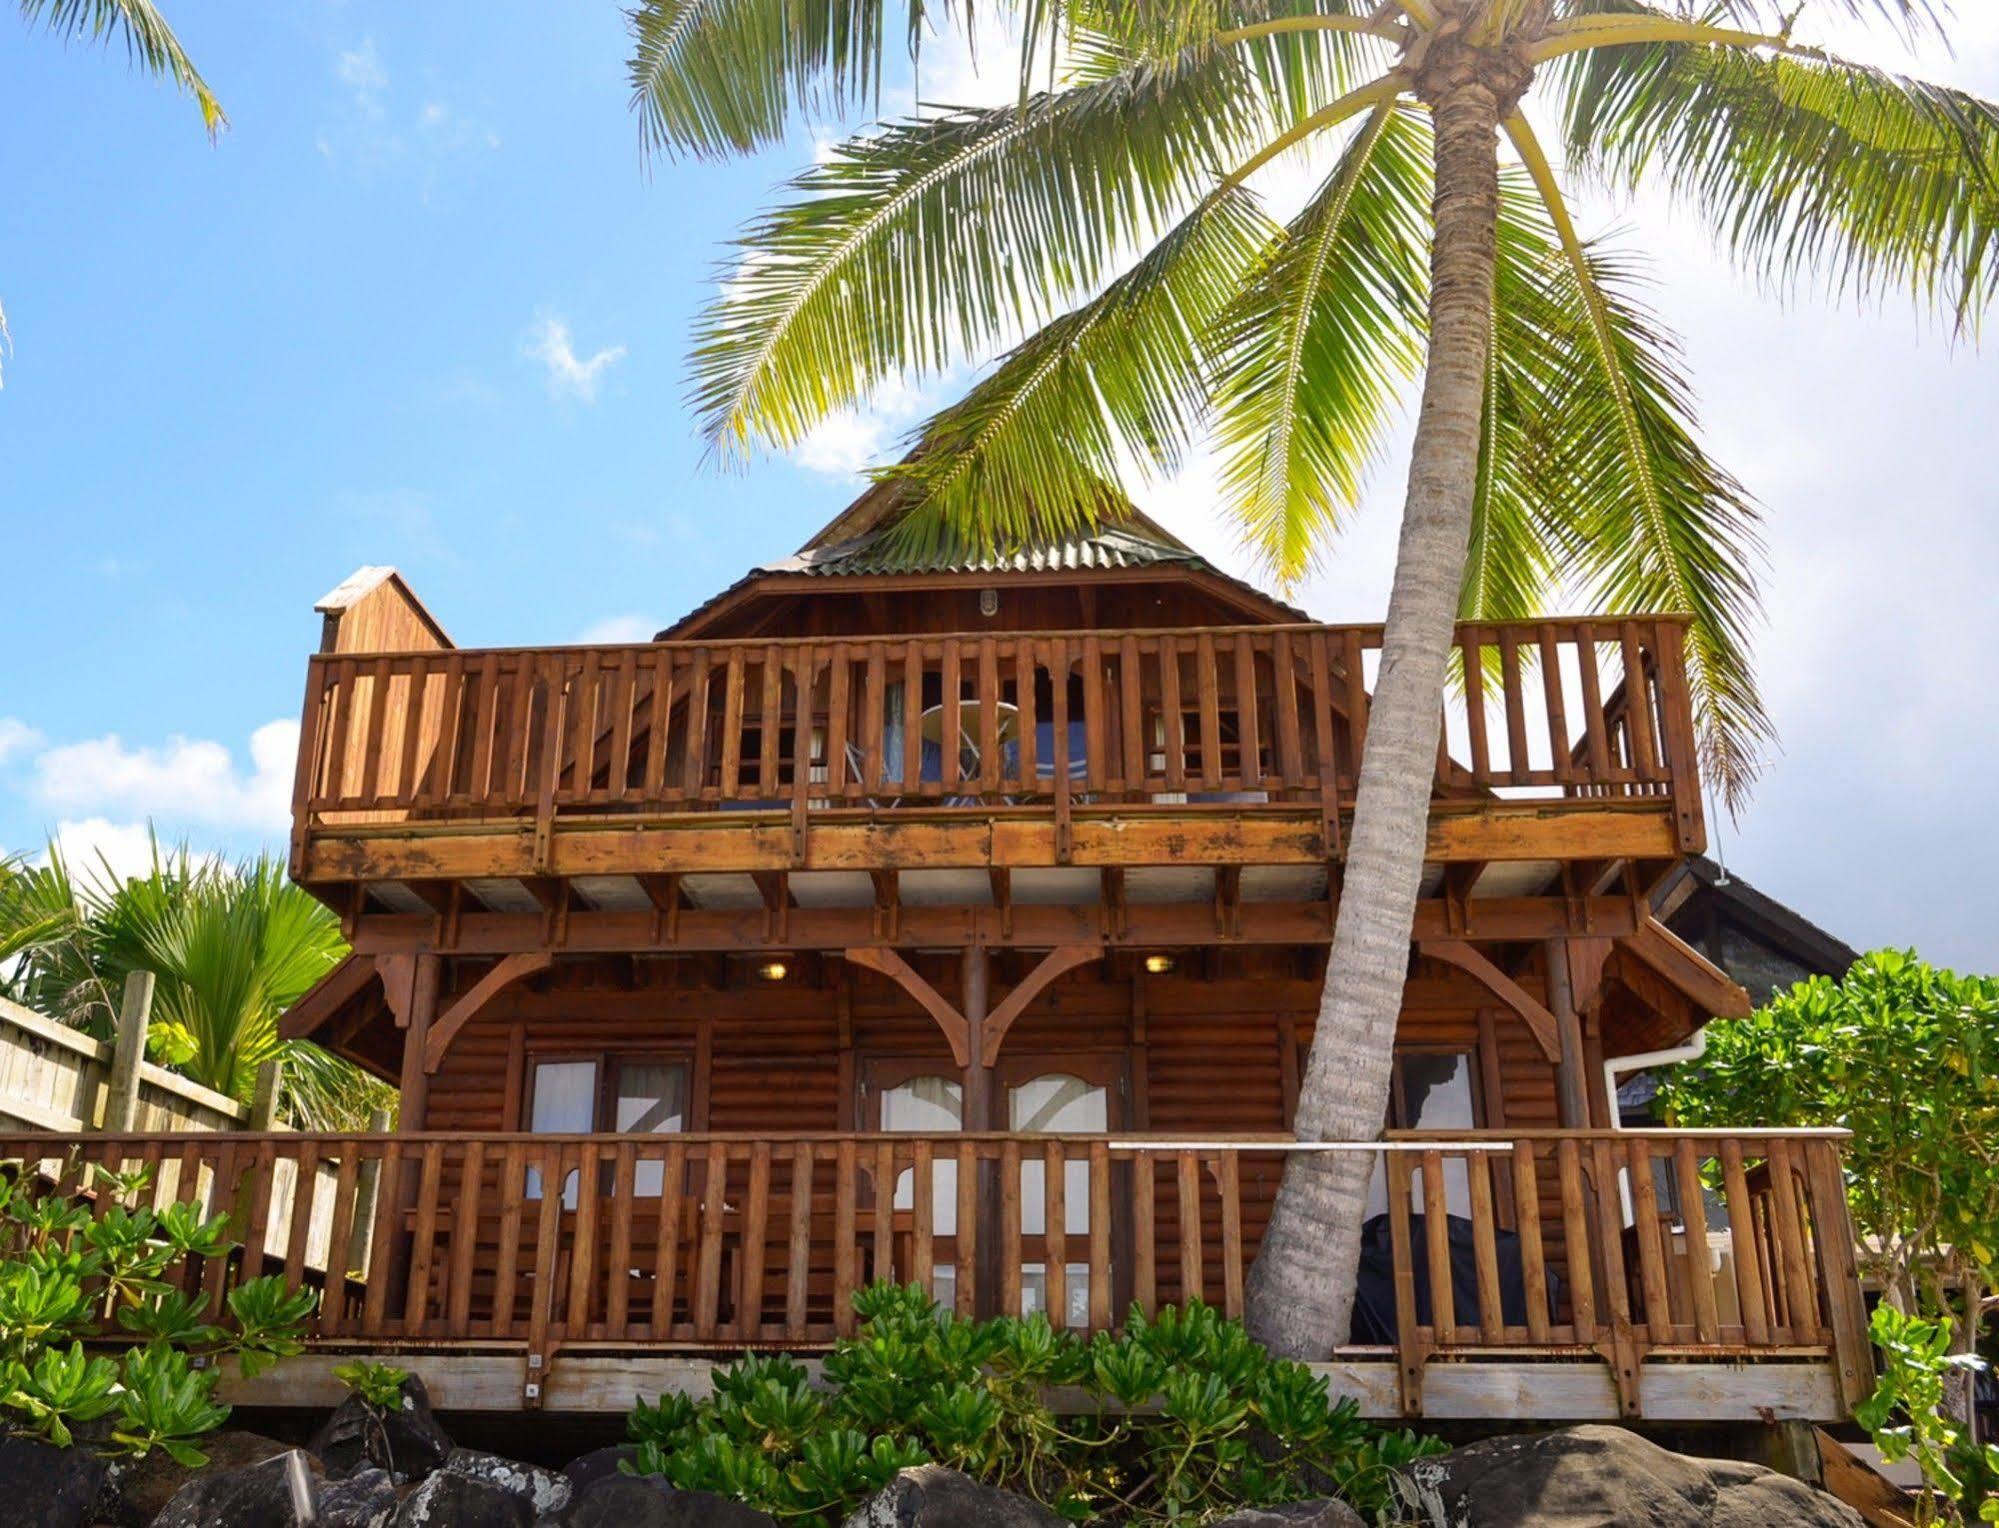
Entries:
{"x":412,"y":1112}
{"x":974,"y":994}
{"x":121,"y":1095}
{"x":264,"y":1101}
{"x":415,"y":1019}
{"x":1571,"y":1086}
{"x":367,"y":1187}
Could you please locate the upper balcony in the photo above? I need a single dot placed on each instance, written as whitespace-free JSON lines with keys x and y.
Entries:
{"x":802,"y":766}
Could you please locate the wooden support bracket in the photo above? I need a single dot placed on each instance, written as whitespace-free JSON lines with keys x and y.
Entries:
{"x":1468,"y":959}
{"x":508,"y":970}
{"x":1058,"y":961}
{"x":940,"y":1008}
{"x":1687,"y":970}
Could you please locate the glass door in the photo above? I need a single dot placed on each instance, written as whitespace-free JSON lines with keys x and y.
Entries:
{"x":915,"y":1097}
{"x":1059,"y":1095}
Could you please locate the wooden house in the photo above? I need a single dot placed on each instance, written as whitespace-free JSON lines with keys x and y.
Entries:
{"x":962,"y":919}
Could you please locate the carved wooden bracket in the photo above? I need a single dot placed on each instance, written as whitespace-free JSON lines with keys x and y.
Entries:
{"x":1468,"y":959}
{"x":905,"y":976}
{"x":509,"y":969}
{"x":1058,"y":961}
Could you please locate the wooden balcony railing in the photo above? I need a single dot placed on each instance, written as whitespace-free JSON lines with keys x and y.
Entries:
{"x":1578,"y":1242}
{"x":1566,"y":711}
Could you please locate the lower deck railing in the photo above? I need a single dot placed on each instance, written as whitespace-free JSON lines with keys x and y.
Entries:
{"x":1627,"y":1246}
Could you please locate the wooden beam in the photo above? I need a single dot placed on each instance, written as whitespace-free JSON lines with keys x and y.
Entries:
{"x":415,"y":1006}
{"x":1002,"y":882}
{"x":1587,"y":958}
{"x":905,"y":976}
{"x":1110,"y":884}
{"x":1061,"y":959}
{"x":1148,"y":925}
{"x":510,"y":969}
{"x":1561,"y":1390}
{"x":1688,"y":971}
{"x":1470,"y":960}
{"x":663,"y":891}
{"x":328,"y":996}
{"x":957,"y":838}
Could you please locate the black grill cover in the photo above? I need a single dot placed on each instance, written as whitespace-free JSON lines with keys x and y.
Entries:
{"x":1374,"y":1301}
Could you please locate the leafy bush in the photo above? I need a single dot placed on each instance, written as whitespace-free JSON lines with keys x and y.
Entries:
{"x":1181,"y":1414}
{"x":68,"y":1278}
{"x":1907,"y":1418}
{"x":380,"y":1386}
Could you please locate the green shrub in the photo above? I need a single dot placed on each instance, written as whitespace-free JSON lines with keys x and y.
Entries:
{"x":1181,"y":1415}
{"x":68,"y":1278}
{"x":380,"y":1386}
{"x":1906,"y":1417}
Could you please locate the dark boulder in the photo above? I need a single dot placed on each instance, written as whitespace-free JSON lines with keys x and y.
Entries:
{"x":138,"y":1489}
{"x":365,"y":1499}
{"x":587,"y":1469}
{"x":1301,"y":1514}
{"x":405,"y":1440}
{"x":1605,"y":1477}
{"x":48,"y":1487}
{"x":544,"y":1491}
{"x":648,"y":1501}
{"x":931,"y":1496}
{"x":278,"y":1492}
{"x":447,"y":1499}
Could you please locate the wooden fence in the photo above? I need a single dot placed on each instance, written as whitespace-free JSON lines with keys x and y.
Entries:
{"x":1580,"y":1242}
{"x":53,"y":1077}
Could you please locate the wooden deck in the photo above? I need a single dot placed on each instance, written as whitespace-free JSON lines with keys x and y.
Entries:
{"x":421,"y":773}
{"x":597,"y":1247}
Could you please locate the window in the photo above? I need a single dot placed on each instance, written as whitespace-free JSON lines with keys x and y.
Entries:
{"x":638,"y":1095}
{"x":1056,"y":1103}
{"x":1431,"y":1090}
{"x":929,"y":1105}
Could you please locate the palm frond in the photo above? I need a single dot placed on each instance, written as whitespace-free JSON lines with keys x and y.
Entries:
{"x":1311,"y":354}
{"x":936,"y":239}
{"x":1035,"y":447}
{"x":1510,"y":563}
{"x":1806,"y":168}
{"x":149,"y":41}
{"x":719,"y":77}
{"x":1646,"y":520}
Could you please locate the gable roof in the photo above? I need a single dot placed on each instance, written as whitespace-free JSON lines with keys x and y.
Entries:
{"x":860,"y":542}
{"x":1784,"y":929}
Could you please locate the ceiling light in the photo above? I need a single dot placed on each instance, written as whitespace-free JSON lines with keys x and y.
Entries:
{"x":773,"y":970}
{"x":1158,"y":965}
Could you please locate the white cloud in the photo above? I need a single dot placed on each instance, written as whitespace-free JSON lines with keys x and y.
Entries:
{"x":95,"y":846}
{"x":17,"y":738}
{"x":190,"y":781}
{"x":842,"y":444}
{"x":361,"y":71}
{"x":552,"y":345}
{"x":618,"y":628}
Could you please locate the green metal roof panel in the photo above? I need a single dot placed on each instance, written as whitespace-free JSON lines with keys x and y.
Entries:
{"x":1107,"y":547}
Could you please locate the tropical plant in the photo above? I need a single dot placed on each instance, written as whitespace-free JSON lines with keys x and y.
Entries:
{"x":149,"y":42}
{"x":1184,"y":1415}
{"x":64,"y":1269}
{"x":379,"y":1386}
{"x":231,"y":947}
{"x":1907,"y":1418}
{"x":1555,"y":444}
{"x":1906,"y":1056}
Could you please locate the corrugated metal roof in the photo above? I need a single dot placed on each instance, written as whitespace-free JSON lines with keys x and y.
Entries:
{"x":880,"y":552}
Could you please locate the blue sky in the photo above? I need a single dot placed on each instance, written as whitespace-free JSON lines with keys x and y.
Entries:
{"x":422,"y":305}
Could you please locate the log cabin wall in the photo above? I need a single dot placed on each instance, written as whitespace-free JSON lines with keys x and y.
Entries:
{"x":1214,"y":1049}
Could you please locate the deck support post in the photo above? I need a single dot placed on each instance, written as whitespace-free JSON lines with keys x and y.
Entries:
{"x":1571,"y":1084}
{"x":415,"y":1004}
{"x":975,"y":994}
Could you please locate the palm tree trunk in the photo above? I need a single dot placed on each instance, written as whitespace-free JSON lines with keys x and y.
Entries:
{"x":1301,"y":1289}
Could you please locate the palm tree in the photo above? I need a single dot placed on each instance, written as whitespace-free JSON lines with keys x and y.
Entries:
{"x":1555,"y":444}
{"x":149,"y":42}
{"x":231,"y":947}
